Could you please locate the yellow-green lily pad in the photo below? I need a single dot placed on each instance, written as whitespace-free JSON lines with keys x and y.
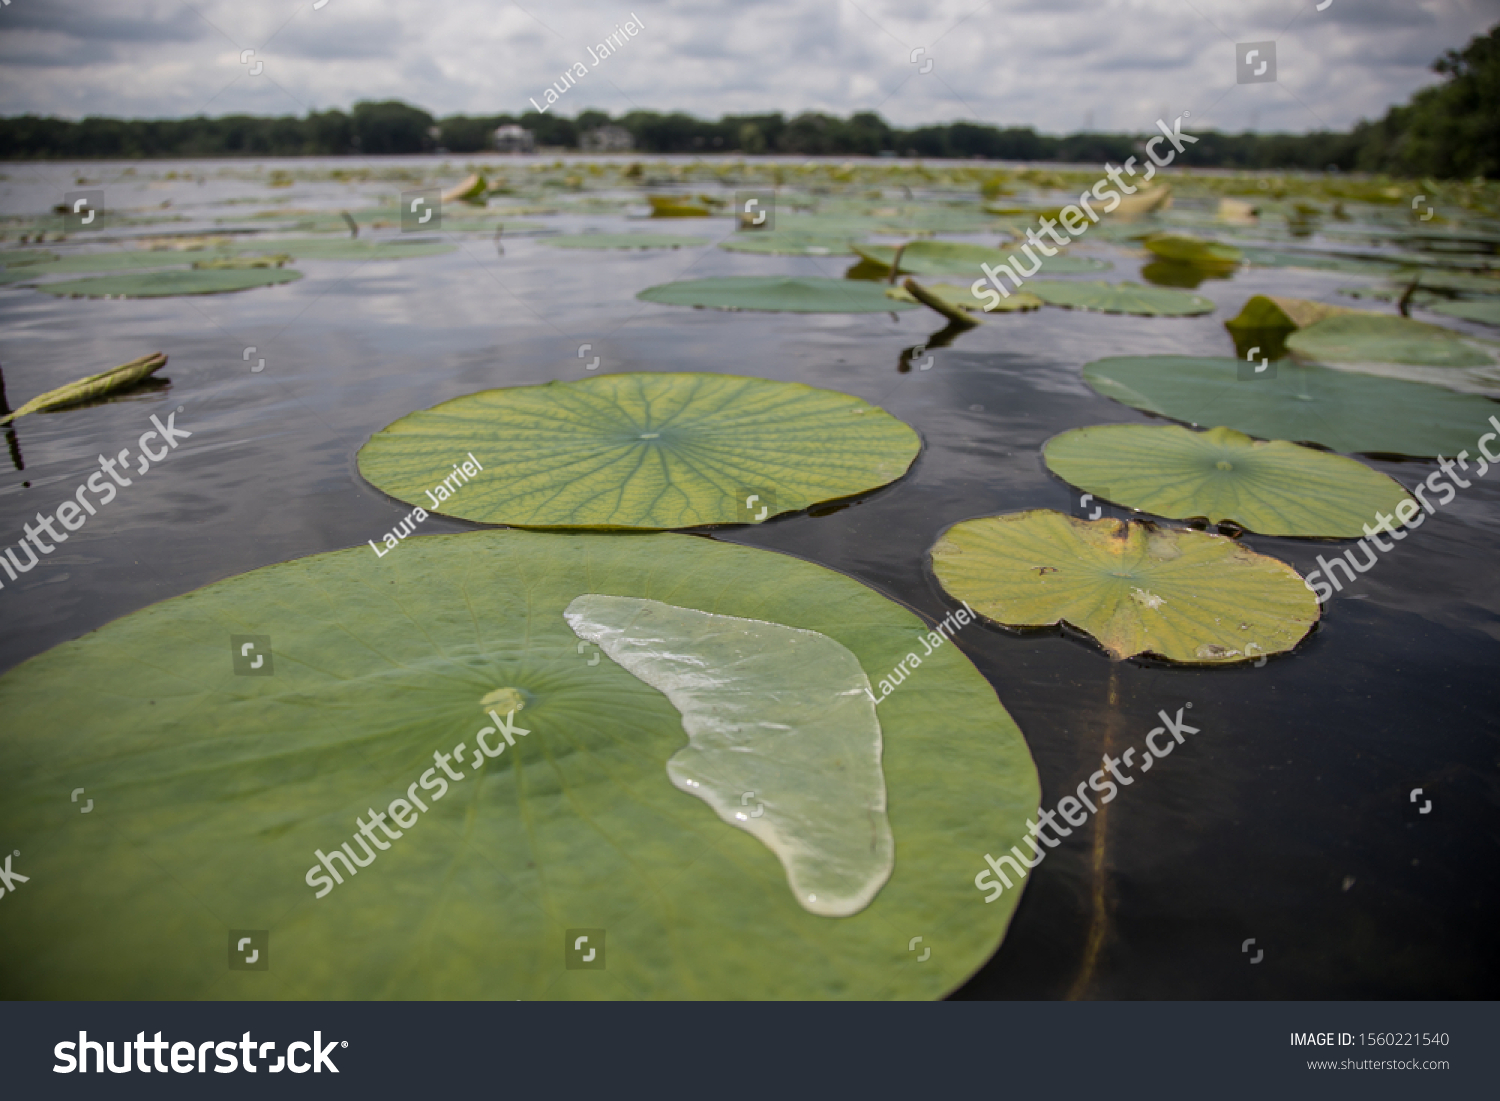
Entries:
{"x":1193,"y":250}
{"x":638,"y":451}
{"x":1136,"y":588}
{"x":1271,"y":487}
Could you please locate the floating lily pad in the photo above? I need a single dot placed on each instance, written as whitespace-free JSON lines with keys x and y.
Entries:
{"x":348,"y":248}
{"x":117,"y":260}
{"x":20,"y":256}
{"x":960,"y":298}
{"x":1271,"y":487}
{"x":1186,"y":596}
{"x":1128,"y":298}
{"x":217,"y":792}
{"x":1193,"y":250}
{"x":673,"y":207}
{"x":1484,"y":310}
{"x":1378,"y":338}
{"x":162,"y":284}
{"x":936,"y":257}
{"x":624,"y":240}
{"x":1271,"y":258}
{"x":786,"y":293}
{"x":1340,"y":410}
{"x":1263,"y":311}
{"x":787,"y":244}
{"x":640,"y":451}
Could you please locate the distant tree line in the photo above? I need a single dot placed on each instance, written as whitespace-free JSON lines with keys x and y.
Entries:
{"x":1449,"y":130}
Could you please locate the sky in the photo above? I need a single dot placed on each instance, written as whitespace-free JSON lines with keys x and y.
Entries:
{"x":1056,"y":65}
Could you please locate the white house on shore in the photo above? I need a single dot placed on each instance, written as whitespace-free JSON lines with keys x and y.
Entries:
{"x":511,"y":138}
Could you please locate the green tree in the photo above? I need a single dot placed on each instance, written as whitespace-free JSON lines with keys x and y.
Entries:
{"x":391,"y":127}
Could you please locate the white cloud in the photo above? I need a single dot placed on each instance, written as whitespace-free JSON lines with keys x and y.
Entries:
{"x":1045,"y":63}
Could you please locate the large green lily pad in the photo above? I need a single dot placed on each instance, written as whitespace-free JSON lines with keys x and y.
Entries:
{"x":1340,"y":410}
{"x":162,"y":284}
{"x":117,"y":260}
{"x":1378,"y":338}
{"x":1129,"y":298}
{"x":21,"y":256}
{"x":213,"y":793}
{"x":640,"y":451}
{"x":1186,"y":596}
{"x":785,"y":293}
{"x":623,"y":240}
{"x":1271,"y":487}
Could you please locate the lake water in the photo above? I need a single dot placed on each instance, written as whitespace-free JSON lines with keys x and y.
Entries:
{"x":1287,"y":819}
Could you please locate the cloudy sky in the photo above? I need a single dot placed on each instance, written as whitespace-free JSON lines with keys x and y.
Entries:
{"x":1058,"y":65}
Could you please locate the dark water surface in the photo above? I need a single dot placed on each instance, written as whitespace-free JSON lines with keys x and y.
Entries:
{"x":1287,"y":819}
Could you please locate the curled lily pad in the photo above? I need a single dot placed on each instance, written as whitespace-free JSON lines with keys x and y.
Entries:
{"x":1128,"y":298}
{"x":623,"y":240}
{"x":1264,"y":311}
{"x":1271,"y":487}
{"x":671,"y":206}
{"x":571,"y":823}
{"x":787,"y":293}
{"x":1186,"y":596}
{"x":639,"y":451}
{"x":163,"y":284}
{"x":1378,"y":338}
{"x":1340,"y":410}
{"x":94,"y":386}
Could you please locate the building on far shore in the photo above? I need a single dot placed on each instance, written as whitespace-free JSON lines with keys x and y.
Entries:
{"x":511,"y":138}
{"x":606,"y":139}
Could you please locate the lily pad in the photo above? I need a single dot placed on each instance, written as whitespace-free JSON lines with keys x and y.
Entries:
{"x":117,"y":260}
{"x":1484,"y":310}
{"x":348,"y":248}
{"x":937,"y":257}
{"x":961,"y":298}
{"x":640,"y":451}
{"x":1264,"y":311}
{"x":1127,"y":298}
{"x":1271,"y":487}
{"x":787,"y":244}
{"x":785,"y":293}
{"x":1378,"y":338}
{"x":673,"y":207}
{"x":1193,"y":250}
{"x":163,"y":284}
{"x":1340,"y":410}
{"x":1186,"y":596}
{"x":21,"y":256}
{"x":572,"y":826}
{"x":623,"y":240}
